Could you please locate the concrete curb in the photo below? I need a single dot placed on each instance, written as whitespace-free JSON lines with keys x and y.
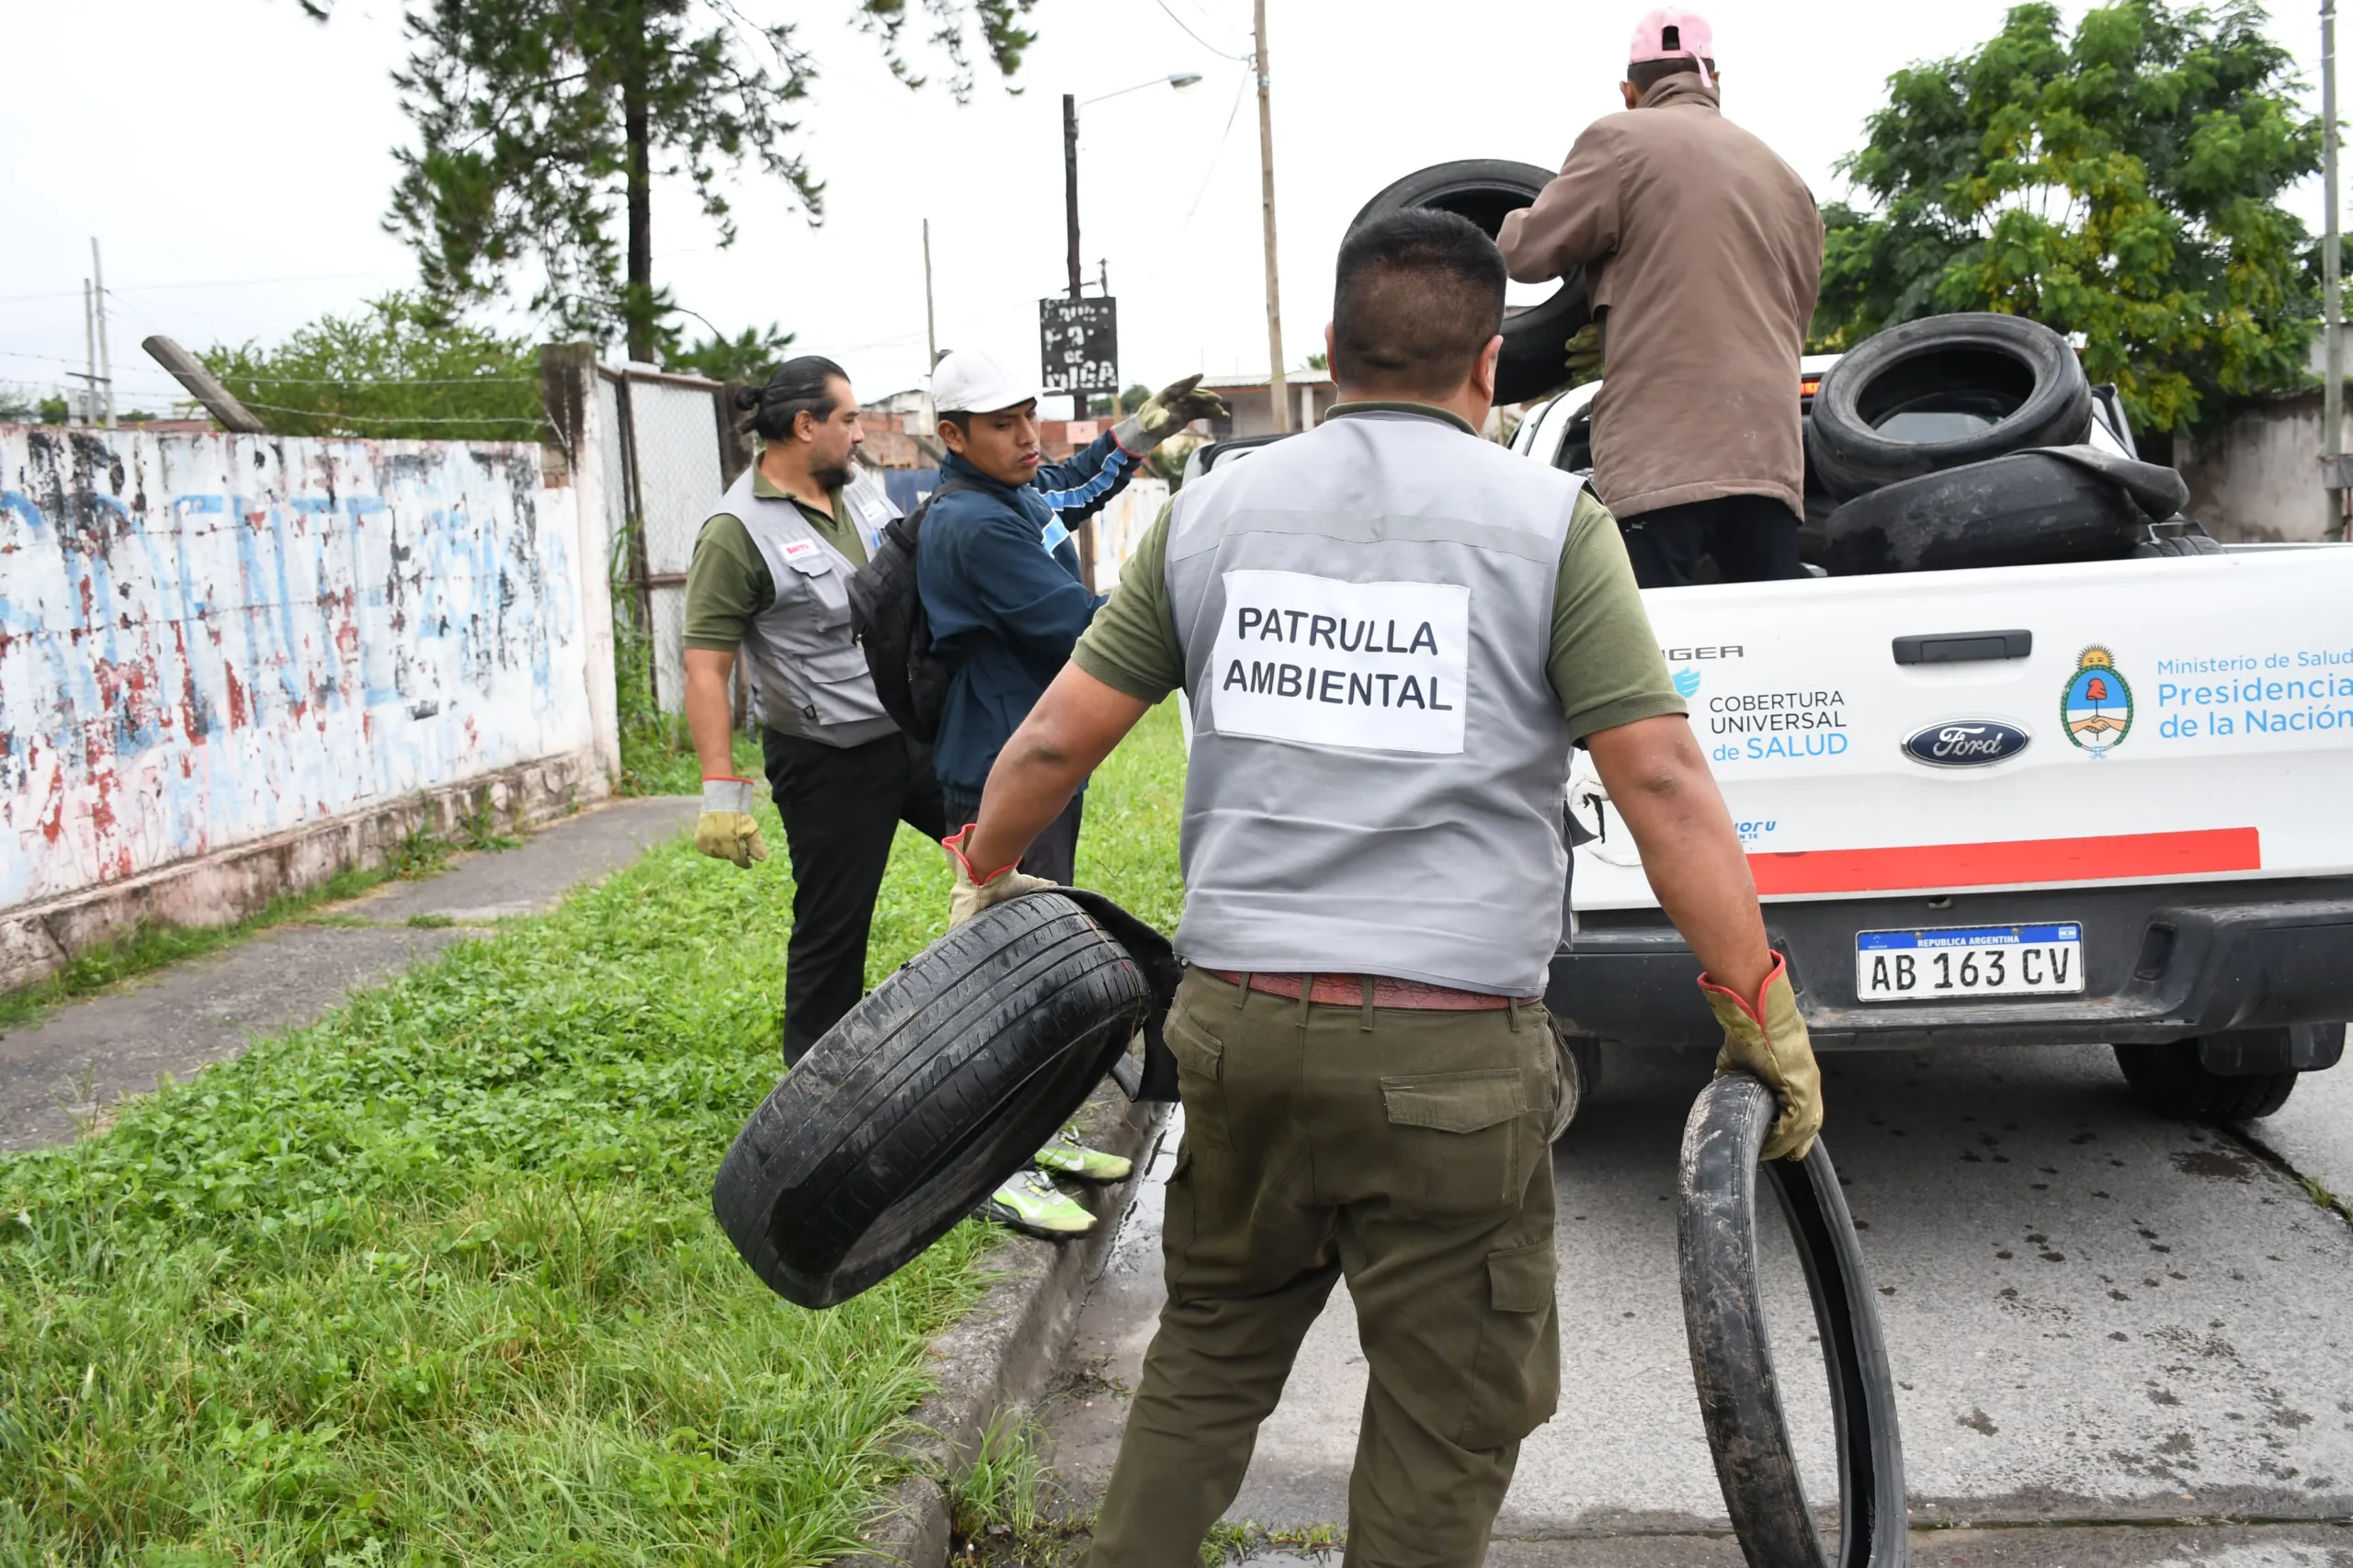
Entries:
{"x":38,"y":940}
{"x":1000,"y":1355}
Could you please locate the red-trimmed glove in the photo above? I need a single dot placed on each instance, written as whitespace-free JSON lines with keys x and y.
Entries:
{"x":726,"y":830}
{"x":1768,"y":1038}
{"x":975,"y":891}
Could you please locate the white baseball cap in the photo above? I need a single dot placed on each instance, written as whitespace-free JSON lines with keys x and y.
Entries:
{"x":969,"y":382}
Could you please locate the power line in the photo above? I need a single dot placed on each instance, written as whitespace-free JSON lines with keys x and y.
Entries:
{"x":1197,"y":38}
{"x":319,"y":381}
{"x":211,"y":283}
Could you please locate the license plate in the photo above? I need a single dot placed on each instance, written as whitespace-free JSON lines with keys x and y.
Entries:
{"x":1969,"y":960}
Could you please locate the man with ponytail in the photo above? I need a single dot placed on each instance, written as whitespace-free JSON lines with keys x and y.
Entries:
{"x":770,"y":581}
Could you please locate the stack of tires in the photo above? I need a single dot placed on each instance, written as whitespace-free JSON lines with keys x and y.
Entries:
{"x":1955,"y":441}
{"x":1961,"y":441}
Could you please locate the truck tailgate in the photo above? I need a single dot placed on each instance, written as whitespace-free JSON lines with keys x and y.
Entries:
{"x":2178,"y":720}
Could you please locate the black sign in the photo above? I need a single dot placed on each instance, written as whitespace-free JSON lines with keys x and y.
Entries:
{"x":1973,"y":743}
{"x":1078,"y":340}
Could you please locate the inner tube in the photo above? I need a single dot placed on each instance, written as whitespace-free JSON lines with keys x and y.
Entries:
{"x":1732,"y":1361}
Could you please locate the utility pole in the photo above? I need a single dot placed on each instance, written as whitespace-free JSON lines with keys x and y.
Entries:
{"x":1070,"y":182}
{"x":98,"y":292}
{"x":2332,"y":397}
{"x":930,"y":337}
{"x":89,"y":358}
{"x":1275,"y":389}
{"x":930,"y":317}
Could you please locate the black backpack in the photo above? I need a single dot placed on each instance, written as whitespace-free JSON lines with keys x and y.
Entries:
{"x":886,"y":615}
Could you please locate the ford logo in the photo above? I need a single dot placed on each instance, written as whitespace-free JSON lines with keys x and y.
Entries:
{"x":1967,"y":743}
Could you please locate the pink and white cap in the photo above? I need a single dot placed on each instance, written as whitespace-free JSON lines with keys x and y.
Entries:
{"x":1673,"y":33}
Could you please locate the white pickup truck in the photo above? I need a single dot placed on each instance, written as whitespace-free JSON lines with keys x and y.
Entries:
{"x":2103,"y":801}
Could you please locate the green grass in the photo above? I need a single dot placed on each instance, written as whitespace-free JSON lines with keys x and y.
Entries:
{"x":435,"y":1280}
{"x":148,"y":948}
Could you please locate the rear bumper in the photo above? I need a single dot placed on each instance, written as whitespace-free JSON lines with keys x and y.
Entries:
{"x":2160,"y":963}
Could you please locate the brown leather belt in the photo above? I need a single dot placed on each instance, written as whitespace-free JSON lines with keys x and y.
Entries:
{"x":1347,"y":990}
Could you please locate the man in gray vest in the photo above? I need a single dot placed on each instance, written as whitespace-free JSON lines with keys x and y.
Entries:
{"x":770,"y":577}
{"x":1390,"y":633}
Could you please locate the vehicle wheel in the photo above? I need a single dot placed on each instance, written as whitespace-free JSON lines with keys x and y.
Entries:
{"x":1942,"y":392}
{"x":1731,"y":1357}
{"x":1580,"y":1077}
{"x":934,"y":1089}
{"x":2171,"y":1079}
{"x":2026,"y":509}
{"x":1536,"y":337}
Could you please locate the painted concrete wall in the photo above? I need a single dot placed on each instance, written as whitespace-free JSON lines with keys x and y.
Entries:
{"x":208,"y":640}
{"x":2257,"y":477}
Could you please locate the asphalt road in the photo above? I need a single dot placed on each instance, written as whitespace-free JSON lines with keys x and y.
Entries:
{"x":2103,"y":1322}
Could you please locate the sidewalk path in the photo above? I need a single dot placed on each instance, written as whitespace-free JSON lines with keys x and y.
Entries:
{"x":60,"y":1074}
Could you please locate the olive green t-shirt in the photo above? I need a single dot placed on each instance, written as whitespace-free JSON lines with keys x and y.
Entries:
{"x":1604,"y":662}
{"x":727,"y":581}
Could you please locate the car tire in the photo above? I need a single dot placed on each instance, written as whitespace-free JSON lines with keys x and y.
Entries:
{"x":2171,"y":1079}
{"x":1536,"y":337}
{"x":2026,"y":509}
{"x":1732,"y":1356}
{"x":937,"y":1087}
{"x":2019,"y":372}
{"x":2192,"y":541}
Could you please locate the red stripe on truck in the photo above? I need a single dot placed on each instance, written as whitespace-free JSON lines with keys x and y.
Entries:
{"x":2114,"y":857}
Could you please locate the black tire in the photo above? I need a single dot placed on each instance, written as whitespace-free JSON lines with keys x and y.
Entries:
{"x":2192,"y":541}
{"x":2172,"y":1080}
{"x":935,"y":1088}
{"x":2019,"y":373}
{"x":1732,"y":1361}
{"x":1536,"y":337}
{"x":2026,"y":509}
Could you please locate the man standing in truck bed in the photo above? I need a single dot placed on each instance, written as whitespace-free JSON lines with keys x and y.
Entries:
{"x":1702,"y":250}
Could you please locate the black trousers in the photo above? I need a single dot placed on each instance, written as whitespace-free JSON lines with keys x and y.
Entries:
{"x":1752,"y":538}
{"x":1053,"y":854}
{"x":841,"y":805}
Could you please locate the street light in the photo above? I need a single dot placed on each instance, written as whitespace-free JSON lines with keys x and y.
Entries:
{"x":1180,"y":80}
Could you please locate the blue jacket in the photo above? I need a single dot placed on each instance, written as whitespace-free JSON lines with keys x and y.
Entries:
{"x":1000,"y":582}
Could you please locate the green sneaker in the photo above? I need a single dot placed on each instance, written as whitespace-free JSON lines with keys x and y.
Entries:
{"x":1033,"y":1205}
{"x":1067,"y":1156}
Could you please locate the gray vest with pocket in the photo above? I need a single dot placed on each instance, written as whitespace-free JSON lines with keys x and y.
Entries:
{"x":1378,"y":758}
{"x":809,"y":676}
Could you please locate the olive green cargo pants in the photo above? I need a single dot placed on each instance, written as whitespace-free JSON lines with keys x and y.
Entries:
{"x":1407,"y":1150}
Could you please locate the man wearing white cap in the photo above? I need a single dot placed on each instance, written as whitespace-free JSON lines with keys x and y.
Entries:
{"x":1002,"y":587}
{"x":1702,"y":250}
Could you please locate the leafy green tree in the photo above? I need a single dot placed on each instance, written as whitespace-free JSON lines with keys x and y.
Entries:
{"x":402,"y":366}
{"x":2121,"y":183}
{"x":748,"y":355}
{"x":536,"y":119}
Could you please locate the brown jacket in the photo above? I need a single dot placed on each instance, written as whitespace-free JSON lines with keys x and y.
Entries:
{"x":1705,"y":250}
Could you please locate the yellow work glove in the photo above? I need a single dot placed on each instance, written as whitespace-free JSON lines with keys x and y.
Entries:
{"x":725,"y":831}
{"x":1165,"y":413}
{"x":975,"y":891}
{"x":1770,"y":1039}
{"x":1585,"y":353}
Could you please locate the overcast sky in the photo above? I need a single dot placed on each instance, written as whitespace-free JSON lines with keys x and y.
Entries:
{"x":235,"y":160}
